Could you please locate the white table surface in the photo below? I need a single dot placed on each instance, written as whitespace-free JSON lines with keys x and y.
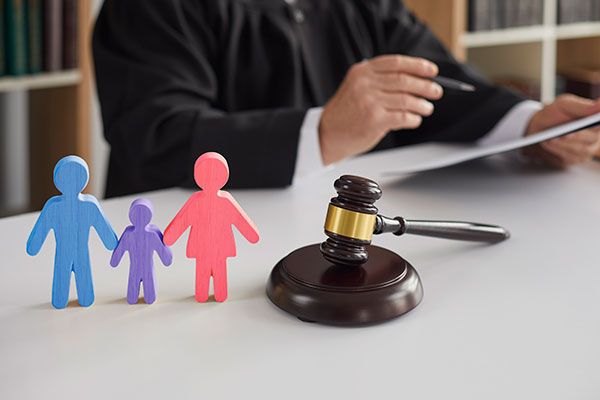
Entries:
{"x":518,"y":320}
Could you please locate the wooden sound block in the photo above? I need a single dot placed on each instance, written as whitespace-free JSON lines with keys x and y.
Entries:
{"x":316,"y":290}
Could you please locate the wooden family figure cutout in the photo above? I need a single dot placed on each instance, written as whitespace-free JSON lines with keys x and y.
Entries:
{"x":211,"y":213}
{"x":70,"y":215}
{"x":141,"y":240}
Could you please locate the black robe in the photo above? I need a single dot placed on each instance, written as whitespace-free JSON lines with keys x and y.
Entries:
{"x":177,"y":78}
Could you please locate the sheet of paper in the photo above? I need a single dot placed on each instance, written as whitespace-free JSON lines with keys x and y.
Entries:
{"x":428,"y":156}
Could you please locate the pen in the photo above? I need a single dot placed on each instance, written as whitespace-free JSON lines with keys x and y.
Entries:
{"x":454,"y":84}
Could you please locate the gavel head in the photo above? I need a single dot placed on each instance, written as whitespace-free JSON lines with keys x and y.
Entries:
{"x":350,"y":221}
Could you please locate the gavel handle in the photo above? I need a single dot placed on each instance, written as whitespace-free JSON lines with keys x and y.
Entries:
{"x":455,"y":230}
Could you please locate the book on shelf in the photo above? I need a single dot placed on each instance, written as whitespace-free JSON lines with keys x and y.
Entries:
{"x":38,"y":35}
{"x":500,"y":14}
{"x":53,"y":28}
{"x":573,"y":11}
{"x":496,"y":15}
{"x":523,"y":13}
{"x":34,"y":35}
{"x":69,"y":34}
{"x":565,"y":13}
{"x":16,"y":37}
{"x":479,"y":15}
{"x":2,"y":41}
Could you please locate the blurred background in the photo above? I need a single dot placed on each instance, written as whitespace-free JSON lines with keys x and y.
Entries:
{"x":48,"y":105}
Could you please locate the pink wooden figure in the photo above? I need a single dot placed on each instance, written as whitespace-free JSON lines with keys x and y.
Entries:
{"x":211,"y":213}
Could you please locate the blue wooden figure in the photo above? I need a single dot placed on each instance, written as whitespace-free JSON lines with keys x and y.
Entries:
{"x":71,"y":215}
{"x":141,"y":239}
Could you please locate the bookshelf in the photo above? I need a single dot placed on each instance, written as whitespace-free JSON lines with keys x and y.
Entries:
{"x":57,"y":115}
{"x":537,"y":52}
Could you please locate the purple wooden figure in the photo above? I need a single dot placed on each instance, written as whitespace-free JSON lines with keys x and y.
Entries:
{"x":141,"y":239}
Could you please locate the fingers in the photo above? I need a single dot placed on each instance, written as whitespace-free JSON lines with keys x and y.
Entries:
{"x":405,"y":102}
{"x":559,"y":156}
{"x":586,"y":141}
{"x":409,"y":65}
{"x":571,"y":151}
{"x":540,"y":153}
{"x":588,"y":136}
{"x":402,"y":82}
{"x":402,"y":120}
{"x":565,"y":108}
{"x":575,"y":150}
{"x":576,"y":107}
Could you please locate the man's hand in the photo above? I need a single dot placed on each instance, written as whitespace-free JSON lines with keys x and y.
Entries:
{"x":572,"y":149}
{"x":377,"y":96}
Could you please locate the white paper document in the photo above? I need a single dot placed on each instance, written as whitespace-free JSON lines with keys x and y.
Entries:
{"x":428,"y":156}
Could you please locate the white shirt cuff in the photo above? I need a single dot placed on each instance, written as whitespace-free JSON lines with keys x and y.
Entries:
{"x":513,"y":125}
{"x":308,"y":159}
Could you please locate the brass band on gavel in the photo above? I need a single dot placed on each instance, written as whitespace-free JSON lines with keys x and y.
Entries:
{"x":349,"y":223}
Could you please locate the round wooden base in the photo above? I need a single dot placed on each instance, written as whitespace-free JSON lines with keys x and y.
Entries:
{"x":313,"y":289}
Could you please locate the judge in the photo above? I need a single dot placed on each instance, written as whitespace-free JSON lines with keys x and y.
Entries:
{"x":285,"y":88}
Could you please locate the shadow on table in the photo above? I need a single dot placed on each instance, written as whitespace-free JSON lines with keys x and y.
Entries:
{"x":48,"y":305}
{"x":192,"y":300}
{"x":122,"y":300}
{"x":250,"y":294}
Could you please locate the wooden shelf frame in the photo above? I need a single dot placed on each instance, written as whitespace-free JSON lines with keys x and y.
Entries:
{"x":528,"y":34}
{"x":500,"y":37}
{"x":579,"y":30}
{"x":40,"y":81}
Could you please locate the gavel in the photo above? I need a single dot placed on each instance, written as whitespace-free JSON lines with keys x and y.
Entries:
{"x":352,"y":220}
{"x":338,"y":282}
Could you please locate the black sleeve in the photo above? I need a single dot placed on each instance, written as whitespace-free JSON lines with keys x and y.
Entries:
{"x":459,"y":116}
{"x":156,"y":76}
